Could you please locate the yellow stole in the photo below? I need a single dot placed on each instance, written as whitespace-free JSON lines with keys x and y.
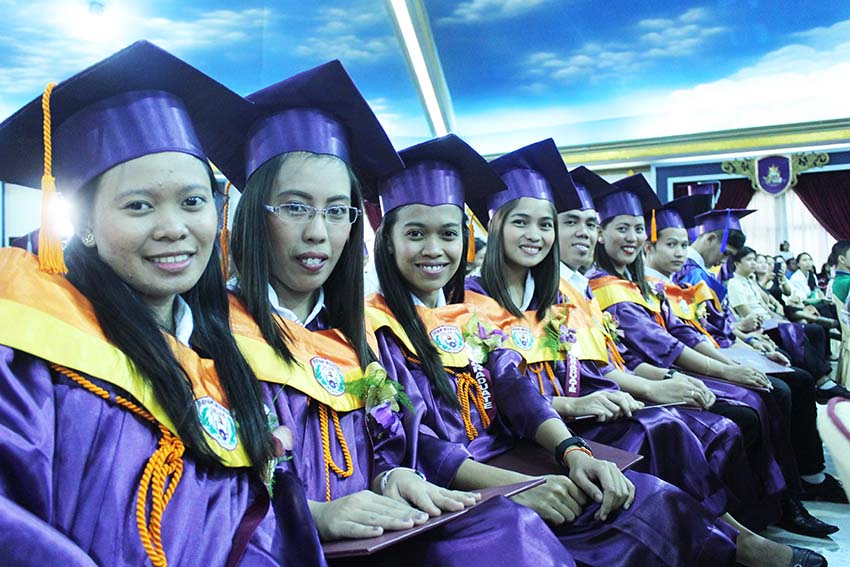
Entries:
{"x":47,"y":317}
{"x":445,"y":327}
{"x":324,"y":363}
{"x":611,"y":290}
{"x":586,"y":319}
{"x":685,"y":301}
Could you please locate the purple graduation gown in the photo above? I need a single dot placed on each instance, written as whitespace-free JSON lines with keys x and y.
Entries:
{"x":71,"y":468}
{"x":699,"y":452}
{"x":647,"y":341}
{"x":720,"y":322}
{"x":664,"y":526}
{"x":497,"y":531}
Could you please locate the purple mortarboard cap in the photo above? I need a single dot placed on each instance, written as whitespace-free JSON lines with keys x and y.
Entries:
{"x":629,"y":196}
{"x":537,"y":171}
{"x":319,"y":111}
{"x":722,"y":219}
{"x":679,"y":213}
{"x":442,"y":171}
{"x":704,"y":188}
{"x":587,"y":183}
{"x":141,"y":100}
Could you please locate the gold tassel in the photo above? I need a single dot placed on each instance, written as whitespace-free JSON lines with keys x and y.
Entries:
{"x":224,"y":235}
{"x":470,"y":250}
{"x":51,"y":258}
{"x":653,"y":229}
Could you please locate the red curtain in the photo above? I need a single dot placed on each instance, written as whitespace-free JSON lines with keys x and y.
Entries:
{"x":827,"y":196}
{"x":735,"y":194}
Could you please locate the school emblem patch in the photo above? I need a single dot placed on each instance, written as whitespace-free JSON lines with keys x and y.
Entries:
{"x":217,"y":422}
{"x":522,"y":337}
{"x":328,"y":375}
{"x":448,"y":338}
{"x":684,"y":306}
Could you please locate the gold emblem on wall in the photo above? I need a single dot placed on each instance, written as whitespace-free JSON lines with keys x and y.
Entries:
{"x":775,"y":174}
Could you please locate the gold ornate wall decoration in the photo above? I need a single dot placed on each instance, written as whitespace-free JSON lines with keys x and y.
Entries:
{"x":775,"y":174}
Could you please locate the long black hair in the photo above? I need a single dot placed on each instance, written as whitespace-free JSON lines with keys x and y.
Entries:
{"x":546,"y":274}
{"x":252,"y":250}
{"x":129,"y":324}
{"x":811,"y":280}
{"x":636,"y":273}
{"x":396,"y":293}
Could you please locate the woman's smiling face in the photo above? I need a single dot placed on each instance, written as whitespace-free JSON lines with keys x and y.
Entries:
{"x":623,"y":238}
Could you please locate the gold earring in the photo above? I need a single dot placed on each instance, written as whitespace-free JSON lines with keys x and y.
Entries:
{"x":89,"y":239}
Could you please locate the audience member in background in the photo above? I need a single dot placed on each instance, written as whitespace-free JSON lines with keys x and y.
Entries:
{"x":790,"y":266}
{"x":840,"y":257}
{"x":746,"y":297}
{"x":474,"y":267}
{"x":804,"y":283}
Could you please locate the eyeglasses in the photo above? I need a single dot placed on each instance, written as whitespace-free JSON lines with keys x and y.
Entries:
{"x":301,"y":213}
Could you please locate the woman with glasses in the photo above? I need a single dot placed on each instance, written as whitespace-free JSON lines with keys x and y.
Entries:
{"x":131,"y":428}
{"x":299,"y":317}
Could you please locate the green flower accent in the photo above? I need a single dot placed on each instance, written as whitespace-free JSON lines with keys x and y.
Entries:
{"x":481,"y":340}
{"x":559,"y":336}
{"x":611,"y":327}
{"x":376,"y":389}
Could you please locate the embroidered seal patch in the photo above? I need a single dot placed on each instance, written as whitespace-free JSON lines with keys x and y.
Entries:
{"x":684,"y":305}
{"x":328,"y":375}
{"x":522,"y":337}
{"x":448,"y":338}
{"x":217,"y":422}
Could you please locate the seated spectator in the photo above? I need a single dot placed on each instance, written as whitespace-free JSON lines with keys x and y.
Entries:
{"x":840,"y":255}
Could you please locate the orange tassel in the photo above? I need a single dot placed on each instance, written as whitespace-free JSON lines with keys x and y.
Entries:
{"x":470,"y":250}
{"x":653,"y":229}
{"x":224,"y":235}
{"x":51,"y":258}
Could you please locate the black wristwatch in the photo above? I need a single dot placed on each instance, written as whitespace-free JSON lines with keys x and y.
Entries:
{"x":566,"y":445}
{"x":669,"y":374}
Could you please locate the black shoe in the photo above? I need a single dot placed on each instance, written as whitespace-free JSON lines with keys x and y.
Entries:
{"x":806,"y":558}
{"x":830,"y":490}
{"x":796,"y":519}
{"x":838,"y":391}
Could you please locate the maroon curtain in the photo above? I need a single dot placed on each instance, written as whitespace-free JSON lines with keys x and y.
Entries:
{"x":827,"y":196}
{"x":735,"y":194}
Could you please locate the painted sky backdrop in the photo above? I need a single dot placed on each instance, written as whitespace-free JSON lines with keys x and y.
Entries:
{"x":518,"y":70}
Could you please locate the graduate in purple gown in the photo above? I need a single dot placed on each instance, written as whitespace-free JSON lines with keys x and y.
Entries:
{"x":297,"y":249}
{"x":473,"y":412}
{"x":131,"y":428}
{"x":524,"y":259}
{"x":665,"y":257}
{"x":514,"y":276}
{"x":653,"y":334}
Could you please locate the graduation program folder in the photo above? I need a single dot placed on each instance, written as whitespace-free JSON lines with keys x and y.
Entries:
{"x":534,"y":460}
{"x":358,"y":547}
{"x":754,"y":359}
{"x":593,"y":417}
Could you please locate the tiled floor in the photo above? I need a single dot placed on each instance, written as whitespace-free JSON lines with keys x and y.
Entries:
{"x":837,"y":547}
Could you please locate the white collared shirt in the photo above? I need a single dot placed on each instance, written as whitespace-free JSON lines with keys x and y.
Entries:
{"x":184,"y":323}
{"x":441,"y":300}
{"x":289,"y":314}
{"x":696,"y":257}
{"x":657,"y":275}
{"x":574,"y":278}
{"x":528,"y":294}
